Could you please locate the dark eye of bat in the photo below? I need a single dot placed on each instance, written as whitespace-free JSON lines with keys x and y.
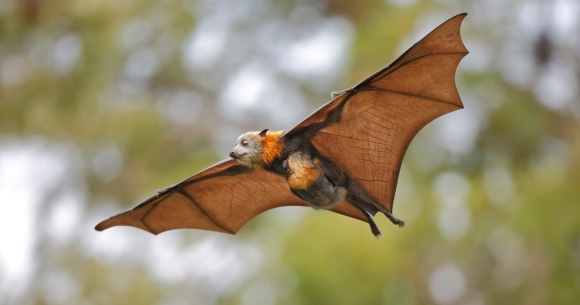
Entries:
{"x":244,"y":143}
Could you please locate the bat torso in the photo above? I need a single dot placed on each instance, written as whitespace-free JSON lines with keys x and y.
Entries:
{"x":307,"y":180}
{"x":299,"y":162}
{"x":276,"y":148}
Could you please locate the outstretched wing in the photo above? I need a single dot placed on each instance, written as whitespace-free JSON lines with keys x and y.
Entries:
{"x":221,"y":198}
{"x":367,"y":129}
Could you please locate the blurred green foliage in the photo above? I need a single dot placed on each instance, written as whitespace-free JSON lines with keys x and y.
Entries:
{"x":491,"y":219}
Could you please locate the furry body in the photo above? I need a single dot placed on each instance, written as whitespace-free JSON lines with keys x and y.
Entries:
{"x":310,"y":176}
{"x":307,"y":180}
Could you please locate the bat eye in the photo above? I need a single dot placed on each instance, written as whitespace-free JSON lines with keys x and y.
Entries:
{"x":244,"y":143}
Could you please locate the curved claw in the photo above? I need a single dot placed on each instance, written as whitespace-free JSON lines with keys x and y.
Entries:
{"x":336,"y":94}
{"x":375,"y":230}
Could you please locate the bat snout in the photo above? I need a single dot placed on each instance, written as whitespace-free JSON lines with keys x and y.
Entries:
{"x":233,"y":155}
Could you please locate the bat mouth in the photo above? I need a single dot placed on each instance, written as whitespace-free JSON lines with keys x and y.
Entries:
{"x":236,"y":156}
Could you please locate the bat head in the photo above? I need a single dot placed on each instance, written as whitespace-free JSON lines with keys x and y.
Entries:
{"x":249,"y":148}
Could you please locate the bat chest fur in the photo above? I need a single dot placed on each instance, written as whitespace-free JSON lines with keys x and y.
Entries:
{"x":304,"y":178}
{"x":307,"y":180}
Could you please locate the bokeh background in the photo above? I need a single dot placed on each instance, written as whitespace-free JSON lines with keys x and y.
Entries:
{"x":102,"y":102}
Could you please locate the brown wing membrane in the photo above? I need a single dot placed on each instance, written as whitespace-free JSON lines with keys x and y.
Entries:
{"x":221,"y":198}
{"x":378,"y":118}
{"x":382,"y":114}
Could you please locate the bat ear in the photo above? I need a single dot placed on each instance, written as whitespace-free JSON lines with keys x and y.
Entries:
{"x":263,"y":132}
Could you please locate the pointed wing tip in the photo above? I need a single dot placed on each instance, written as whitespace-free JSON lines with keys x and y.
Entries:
{"x":459,"y":16}
{"x":115,"y":221}
{"x":103,"y":225}
{"x":462,"y":16}
{"x":100,"y":227}
{"x":455,"y":23}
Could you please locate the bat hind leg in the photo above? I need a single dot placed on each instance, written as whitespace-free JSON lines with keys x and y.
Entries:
{"x":394,"y":219}
{"x":374,"y":228}
{"x":360,"y":198}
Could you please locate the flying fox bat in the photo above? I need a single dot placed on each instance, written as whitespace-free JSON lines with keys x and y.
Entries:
{"x":345,"y":157}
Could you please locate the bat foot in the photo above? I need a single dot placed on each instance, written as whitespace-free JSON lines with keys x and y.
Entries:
{"x":395,"y":220}
{"x":376,"y":232}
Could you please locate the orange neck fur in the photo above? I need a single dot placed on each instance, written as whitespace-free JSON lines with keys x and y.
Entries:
{"x":273,"y":147}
